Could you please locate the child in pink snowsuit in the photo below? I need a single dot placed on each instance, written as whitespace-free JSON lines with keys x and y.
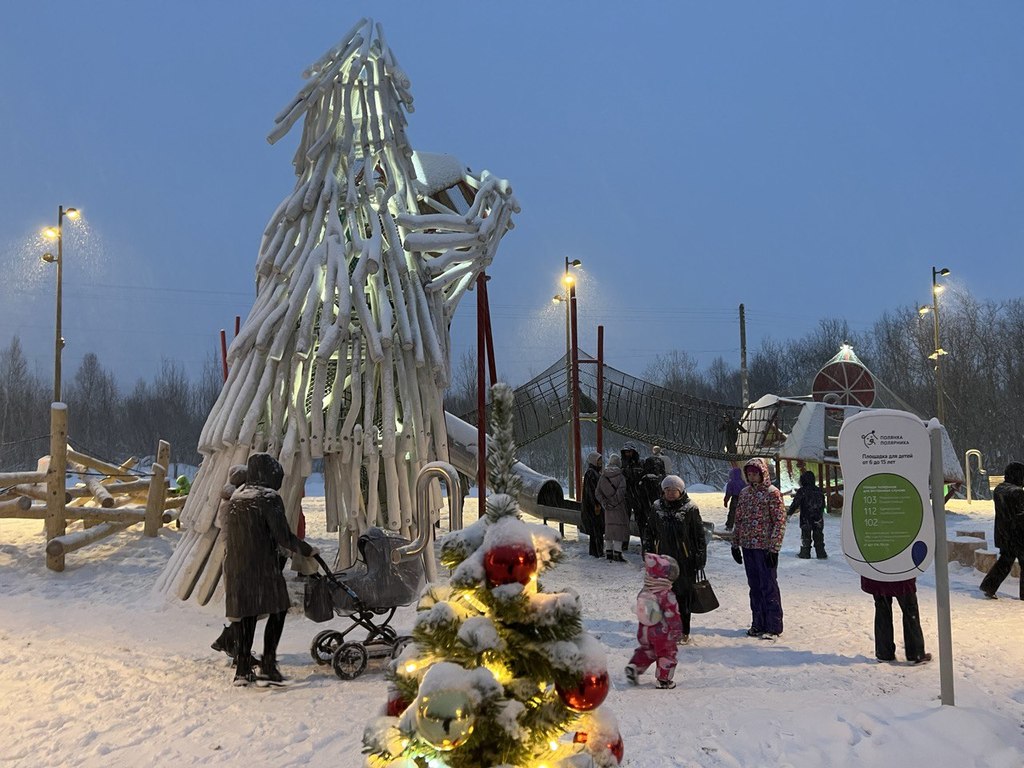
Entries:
{"x":660,"y":623}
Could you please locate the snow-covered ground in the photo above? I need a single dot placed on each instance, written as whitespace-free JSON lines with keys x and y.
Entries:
{"x":95,"y":670}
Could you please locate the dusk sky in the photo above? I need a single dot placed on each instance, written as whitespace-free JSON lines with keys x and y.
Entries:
{"x":809,"y":159}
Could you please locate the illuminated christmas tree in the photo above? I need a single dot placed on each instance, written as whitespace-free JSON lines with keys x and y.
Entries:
{"x":500,"y":673}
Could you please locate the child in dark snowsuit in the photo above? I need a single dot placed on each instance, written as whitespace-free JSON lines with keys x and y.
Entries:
{"x":660,"y":626}
{"x":810,"y":501}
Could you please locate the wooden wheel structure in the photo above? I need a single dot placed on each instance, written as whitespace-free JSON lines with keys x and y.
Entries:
{"x":844,"y":380}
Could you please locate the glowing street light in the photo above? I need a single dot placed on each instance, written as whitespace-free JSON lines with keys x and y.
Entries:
{"x":568,"y":286}
{"x":938,"y":352}
{"x":57,"y":233}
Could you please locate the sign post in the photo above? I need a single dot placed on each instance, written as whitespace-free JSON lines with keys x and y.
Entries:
{"x":892,"y":463}
{"x":941,"y":568}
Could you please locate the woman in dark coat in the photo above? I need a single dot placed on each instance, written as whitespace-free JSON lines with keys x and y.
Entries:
{"x":680,"y":534}
{"x":905,"y":592}
{"x":253,"y":584}
{"x":590,"y":511}
{"x":611,"y":495}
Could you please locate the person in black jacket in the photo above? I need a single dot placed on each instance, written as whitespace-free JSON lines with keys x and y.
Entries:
{"x":810,"y":501}
{"x":679,"y":533}
{"x":638,"y":504}
{"x":256,"y":527}
{"x":1008,"y":498}
{"x":590,"y":511}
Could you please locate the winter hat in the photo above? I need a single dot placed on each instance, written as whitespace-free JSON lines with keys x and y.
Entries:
{"x":595,"y":459}
{"x":656,"y":450}
{"x":673,"y":481}
{"x":236,"y":475}
{"x":1014,"y":473}
{"x":265,"y":471}
{"x":614,"y":461}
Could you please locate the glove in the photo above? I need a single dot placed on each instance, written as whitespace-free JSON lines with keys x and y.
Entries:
{"x":773,"y":559}
{"x":737,"y":555}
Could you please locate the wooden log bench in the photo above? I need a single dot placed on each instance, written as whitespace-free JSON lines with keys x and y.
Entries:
{"x":984,"y":559}
{"x":962,"y":548}
{"x":972,"y":533}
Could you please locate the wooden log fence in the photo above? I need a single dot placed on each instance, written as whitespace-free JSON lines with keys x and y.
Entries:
{"x":106,"y":501}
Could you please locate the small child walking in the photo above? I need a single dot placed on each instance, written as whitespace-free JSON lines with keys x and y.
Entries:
{"x":810,"y":501}
{"x":660,"y":624}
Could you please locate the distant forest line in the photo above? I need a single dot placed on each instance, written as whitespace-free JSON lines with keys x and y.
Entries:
{"x":983,"y":383}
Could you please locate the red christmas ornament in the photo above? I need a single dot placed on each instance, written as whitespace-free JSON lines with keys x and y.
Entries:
{"x":509,"y":563}
{"x":396,"y":705}
{"x":588,"y":693}
{"x":618,"y":749}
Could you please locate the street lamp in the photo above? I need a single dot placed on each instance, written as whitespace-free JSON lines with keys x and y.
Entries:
{"x":57,"y":233}
{"x":936,"y":355}
{"x":568,"y":292}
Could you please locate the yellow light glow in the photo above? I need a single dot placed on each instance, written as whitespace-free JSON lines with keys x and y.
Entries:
{"x":568,"y":279}
{"x":72,"y":213}
{"x":924,"y":309}
{"x":553,"y":745}
{"x":51,"y":233}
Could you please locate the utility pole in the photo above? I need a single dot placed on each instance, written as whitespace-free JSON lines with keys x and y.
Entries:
{"x":743,"y":357}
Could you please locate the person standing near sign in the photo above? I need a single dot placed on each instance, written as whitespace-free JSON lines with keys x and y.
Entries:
{"x":1008,"y":498}
{"x":905,"y":593}
{"x":760,"y":528}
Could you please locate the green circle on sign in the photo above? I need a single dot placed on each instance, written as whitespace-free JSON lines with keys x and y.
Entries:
{"x":887,"y":515}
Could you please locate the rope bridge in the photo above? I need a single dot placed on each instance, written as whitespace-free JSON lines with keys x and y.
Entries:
{"x":632,"y":407}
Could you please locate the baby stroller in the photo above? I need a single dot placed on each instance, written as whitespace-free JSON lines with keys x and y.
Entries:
{"x":374,"y":586}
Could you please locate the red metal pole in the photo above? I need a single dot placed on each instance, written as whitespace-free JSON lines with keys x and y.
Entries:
{"x":600,"y":389}
{"x":238,"y":324}
{"x":577,"y":460}
{"x":481,"y":391}
{"x":224,"y":352}
{"x":492,"y":365}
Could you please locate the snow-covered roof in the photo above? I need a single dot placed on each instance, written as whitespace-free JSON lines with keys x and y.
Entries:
{"x":803,"y":430}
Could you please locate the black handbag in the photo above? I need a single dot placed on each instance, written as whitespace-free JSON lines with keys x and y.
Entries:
{"x":317,"y":603}
{"x":702,"y":596}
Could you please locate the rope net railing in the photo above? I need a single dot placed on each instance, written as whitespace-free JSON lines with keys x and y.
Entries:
{"x":637,"y":409}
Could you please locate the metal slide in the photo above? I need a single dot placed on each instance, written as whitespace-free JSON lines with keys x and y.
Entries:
{"x":540,"y":497}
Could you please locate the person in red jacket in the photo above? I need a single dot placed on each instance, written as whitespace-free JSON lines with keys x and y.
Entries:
{"x":905,"y":592}
{"x":757,"y":539}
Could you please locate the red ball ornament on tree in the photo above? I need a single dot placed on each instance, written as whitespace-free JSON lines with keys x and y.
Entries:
{"x":396,"y":704}
{"x":618,"y":749}
{"x":587,"y":694}
{"x":509,"y":563}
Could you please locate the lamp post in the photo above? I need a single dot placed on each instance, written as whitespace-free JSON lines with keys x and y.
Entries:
{"x":940,"y":410}
{"x":568,"y":286}
{"x":57,"y":233}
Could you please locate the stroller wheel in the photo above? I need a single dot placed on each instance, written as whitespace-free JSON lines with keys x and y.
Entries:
{"x":399,"y":646}
{"x":349,"y":660}
{"x":324,"y":645}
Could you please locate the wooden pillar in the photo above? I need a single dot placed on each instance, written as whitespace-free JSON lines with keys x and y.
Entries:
{"x":56,"y":482}
{"x":157,"y":490}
